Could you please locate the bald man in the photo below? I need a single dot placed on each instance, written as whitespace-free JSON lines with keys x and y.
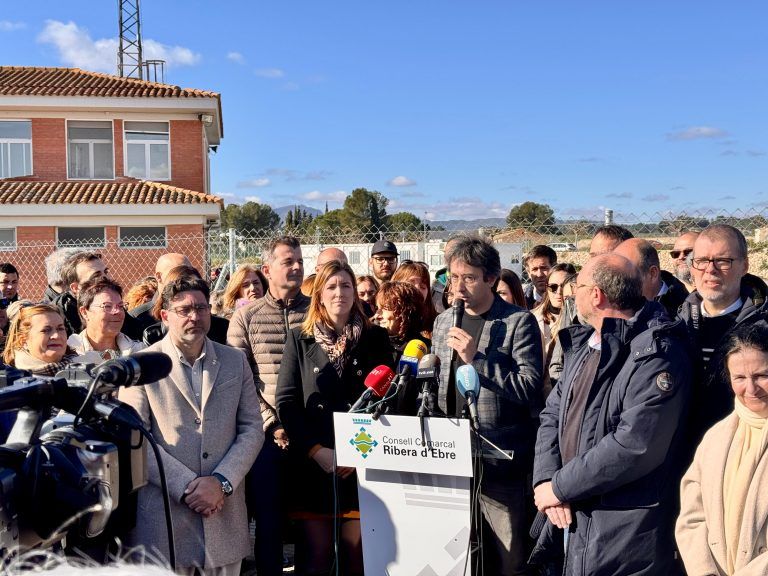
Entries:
{"x":606,"y":466}
{"x":165,"y":264}
{"x":327,"y":255}
{"x":658,"y":284}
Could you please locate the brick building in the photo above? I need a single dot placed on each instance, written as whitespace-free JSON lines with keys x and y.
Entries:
{"x":118,"y":164}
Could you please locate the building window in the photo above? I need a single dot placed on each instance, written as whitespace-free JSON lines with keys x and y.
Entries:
{"x":405,"y":255}
{"x":15,"y":148}
{"x":147,"y":150}
{"x":7,"y":239}
{"x":142,"y":237}
{"x":354,"y":257}
{"x":90,"y":150}
{"x":436,"y":260}
{"x":80,"y":237}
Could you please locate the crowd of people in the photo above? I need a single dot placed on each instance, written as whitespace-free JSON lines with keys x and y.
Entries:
{"x":633,"y":400}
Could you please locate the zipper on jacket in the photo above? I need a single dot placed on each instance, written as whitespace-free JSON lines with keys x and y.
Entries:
{"x":285,"y":318}
{"x":586,"y":548}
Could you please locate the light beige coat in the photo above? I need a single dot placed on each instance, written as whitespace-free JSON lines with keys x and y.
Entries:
{"x":223,"y":435}
{"x":700,"y":529}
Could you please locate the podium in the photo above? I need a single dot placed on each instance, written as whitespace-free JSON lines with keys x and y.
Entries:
{"x":414,"y":496}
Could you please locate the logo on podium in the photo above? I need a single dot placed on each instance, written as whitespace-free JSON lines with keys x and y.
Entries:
{"x":363,"y":442}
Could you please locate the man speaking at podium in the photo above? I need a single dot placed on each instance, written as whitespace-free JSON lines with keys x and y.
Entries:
{"x":503,"y":343}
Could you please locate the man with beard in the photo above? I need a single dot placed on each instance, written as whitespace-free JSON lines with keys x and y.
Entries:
{"x":383,"y":261}
{"x":680,"y":252}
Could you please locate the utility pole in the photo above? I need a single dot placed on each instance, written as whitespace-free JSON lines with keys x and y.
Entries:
{"x":129,"y":58}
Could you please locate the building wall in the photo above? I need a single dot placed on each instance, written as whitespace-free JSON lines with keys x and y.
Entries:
{"x":188,"y":153}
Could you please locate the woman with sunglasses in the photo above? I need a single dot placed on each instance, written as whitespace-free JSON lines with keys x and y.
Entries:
{"x":549,"y":312}
{"x":101,"y":307}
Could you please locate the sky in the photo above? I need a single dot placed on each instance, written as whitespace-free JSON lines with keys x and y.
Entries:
{"x":455,"y":109}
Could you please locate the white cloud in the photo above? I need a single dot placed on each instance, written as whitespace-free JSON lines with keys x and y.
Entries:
{"x":256,"y":199}
{"x":254,"y":183}
{"x":236,"y":57}
{"x":467,"y":208}
{"x":8,"y":26}
{"x":697,"y":133}
{"x":269,"y":73}
{"x":315,"y":195}
{"x":401,"y":181}
{"x":224,"y":194}
{"x":76,"y":48}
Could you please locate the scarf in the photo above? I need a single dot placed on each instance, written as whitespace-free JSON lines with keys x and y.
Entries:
{"x":23,"y":360}
{"x":747,"y":448}
{"x":338,"y":346}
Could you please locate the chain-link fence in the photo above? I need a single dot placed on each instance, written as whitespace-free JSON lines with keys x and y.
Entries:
{"x":225,"y":249}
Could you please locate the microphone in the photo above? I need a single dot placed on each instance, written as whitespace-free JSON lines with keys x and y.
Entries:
{"x":468,"y":385}
{"x":457,"y":312}
{"x":406,"y":368}
{"x":31,"y":392}
{"x":429,"y":373}
{"x":376,"y":384}
{"x":412,"y":354}
{"x":134,"y":370}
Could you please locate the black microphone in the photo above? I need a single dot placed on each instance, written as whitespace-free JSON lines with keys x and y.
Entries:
{"x":31,"y":392}
{"x":429,"y":373}
{"x":134,"y":370}
{"x":457,"y":312}
{"x":72,"y":400}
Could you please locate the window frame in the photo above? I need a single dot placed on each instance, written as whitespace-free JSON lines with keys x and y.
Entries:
{"x":147,"y":147}
{"x":153,"y":247}
{"x":19,"y":141}
{"x":90,"y":148}
{"x":11,"y":248}
{"x":102,"y":245}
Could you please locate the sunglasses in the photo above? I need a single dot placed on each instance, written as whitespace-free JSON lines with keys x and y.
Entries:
{"x":676,"y":253}
{"x":555,"y":287}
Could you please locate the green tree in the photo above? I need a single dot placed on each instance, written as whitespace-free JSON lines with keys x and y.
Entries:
{"x":365,"y":211}
{"x":532,"y":215}
{"x":330,"y":227}
{"x":406,"y":226}
{"x":250,"y":216}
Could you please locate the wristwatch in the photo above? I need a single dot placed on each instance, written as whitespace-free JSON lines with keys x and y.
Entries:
{"x":226,"y":485}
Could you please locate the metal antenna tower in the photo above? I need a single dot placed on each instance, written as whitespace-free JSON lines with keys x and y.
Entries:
{"x":129,"y":59}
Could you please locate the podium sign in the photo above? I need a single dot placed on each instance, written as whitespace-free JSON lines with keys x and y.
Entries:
{"x":414,"y":495}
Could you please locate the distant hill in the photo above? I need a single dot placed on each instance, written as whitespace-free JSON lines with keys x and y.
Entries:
{"x":283,"y":210}
{"x":469,"y":224}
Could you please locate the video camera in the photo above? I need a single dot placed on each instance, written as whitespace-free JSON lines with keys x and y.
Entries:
{"x":62,"y":478}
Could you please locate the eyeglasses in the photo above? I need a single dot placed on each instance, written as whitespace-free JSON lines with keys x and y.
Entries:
{"x":676,"y":253}
{"x":382,"y":259}
{"x":109,"y":308}
{"x":721,"y":264}
{"x":554,"y":287}
{"x":185,"y":311}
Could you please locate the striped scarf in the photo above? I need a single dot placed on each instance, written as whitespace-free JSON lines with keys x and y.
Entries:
{"x":338,"y":346}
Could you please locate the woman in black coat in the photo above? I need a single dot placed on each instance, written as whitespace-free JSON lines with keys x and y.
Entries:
{"x":323,"y":368}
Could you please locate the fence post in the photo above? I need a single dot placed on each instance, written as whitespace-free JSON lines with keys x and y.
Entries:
{"x":232,"y":250}
{"x":608,"y":216}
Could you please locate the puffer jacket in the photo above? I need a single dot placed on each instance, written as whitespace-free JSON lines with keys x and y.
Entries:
{"x":622,"y":483}
{"x":712,"y":398}
{"x":260,"y":330}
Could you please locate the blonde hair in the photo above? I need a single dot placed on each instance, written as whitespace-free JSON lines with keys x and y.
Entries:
{"x":317,"y":312}
{"x":232,"y":291}
{"x":20,"y":325}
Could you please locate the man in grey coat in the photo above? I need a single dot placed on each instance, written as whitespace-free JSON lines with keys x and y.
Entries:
{"x":205,"y":417}
{"x":503,"y":343}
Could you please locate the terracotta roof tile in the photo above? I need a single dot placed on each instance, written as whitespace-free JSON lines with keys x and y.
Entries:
{"x":99,"y":192}
{"x":39,"y":81}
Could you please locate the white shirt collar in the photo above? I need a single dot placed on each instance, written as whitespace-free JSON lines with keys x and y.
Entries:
{"x":663,"y":290}
{"x":732,"y":308}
